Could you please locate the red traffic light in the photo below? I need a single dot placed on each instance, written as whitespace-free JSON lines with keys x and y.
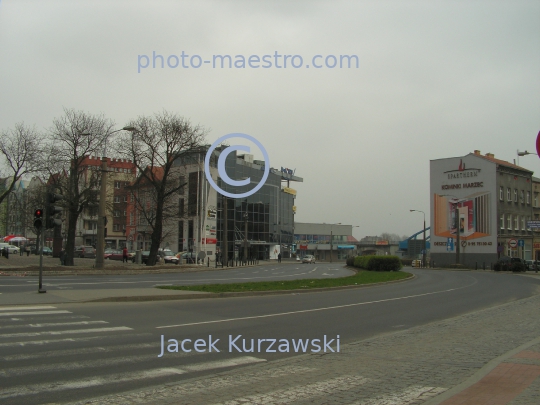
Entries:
{"x":38,"y":213}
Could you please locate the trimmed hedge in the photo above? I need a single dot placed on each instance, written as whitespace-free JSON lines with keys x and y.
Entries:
{"x":378,"y":263}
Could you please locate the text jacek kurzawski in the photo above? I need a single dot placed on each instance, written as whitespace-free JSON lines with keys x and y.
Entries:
{"x":237,"y":344}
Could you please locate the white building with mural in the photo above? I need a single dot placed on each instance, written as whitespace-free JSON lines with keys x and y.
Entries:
{"x":486,"y":200}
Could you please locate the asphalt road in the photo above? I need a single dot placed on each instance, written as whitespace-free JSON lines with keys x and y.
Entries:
{"x":74,"y":351}
{"x":283,"y":271}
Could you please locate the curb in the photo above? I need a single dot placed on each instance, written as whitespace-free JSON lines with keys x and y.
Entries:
{"x":241,"y":294}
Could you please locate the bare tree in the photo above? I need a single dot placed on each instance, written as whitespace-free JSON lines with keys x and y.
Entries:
{"x":155,"y":145}
{"x":75,"y":136}
{"x":20,"y":151}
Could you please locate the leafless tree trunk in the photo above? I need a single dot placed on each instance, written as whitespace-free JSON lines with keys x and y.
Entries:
{"x":75,"y":136}
{"x":154,"y":147}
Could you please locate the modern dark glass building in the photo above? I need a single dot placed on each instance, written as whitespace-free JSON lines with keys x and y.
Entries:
{"x":267,"y":215}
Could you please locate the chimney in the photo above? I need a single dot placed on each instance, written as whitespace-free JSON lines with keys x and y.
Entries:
{"x":477,"y":152}
{"x":490,"y":155}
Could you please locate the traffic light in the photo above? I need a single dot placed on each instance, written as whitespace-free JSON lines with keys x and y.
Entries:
{"x":38,"y":218}
{"x":51,"y":210}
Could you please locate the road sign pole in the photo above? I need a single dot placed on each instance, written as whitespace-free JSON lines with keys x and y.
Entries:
{"x":41,"y":245}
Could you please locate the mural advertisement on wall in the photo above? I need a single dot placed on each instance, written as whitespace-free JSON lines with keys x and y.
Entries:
{"x":463,"y":201}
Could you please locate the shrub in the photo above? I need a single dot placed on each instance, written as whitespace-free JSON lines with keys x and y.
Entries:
{"x":350,"y":261}
{"x":378,"y":263}
{"x":517,"y":267}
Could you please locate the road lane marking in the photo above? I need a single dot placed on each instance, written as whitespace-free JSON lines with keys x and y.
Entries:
{"x":33,"y":389}
{"x":65,"y":332}
{"x":317,"y":309}
{"x":35,"y":313}
{"x":11,"y":308}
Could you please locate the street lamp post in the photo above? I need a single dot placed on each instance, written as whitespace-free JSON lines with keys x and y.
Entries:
{"x":424,"y":244}
{"x":100,"y":243}
{"x":245,"y":236}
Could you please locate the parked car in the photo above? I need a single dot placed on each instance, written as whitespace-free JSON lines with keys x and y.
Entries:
{"x":308,"y":259}
{"x":168,"y":256}
{"x":514,"y":264}
{"x":47,"y":251}
{"x":13,"y":249}
{"x":189,"y":257}
{"x":533,"y":264}
{"x":144,"y":257}
{"x":514,"y":260}
{"x":85,"y":251}
{"x":108,"y":253}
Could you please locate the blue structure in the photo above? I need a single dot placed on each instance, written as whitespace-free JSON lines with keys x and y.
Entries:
{"x":404,"y":244}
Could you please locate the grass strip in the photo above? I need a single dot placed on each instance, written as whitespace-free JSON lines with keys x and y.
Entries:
{"x":362,"y":277}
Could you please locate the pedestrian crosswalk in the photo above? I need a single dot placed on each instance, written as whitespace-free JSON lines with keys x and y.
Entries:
{"x":54,"y":355}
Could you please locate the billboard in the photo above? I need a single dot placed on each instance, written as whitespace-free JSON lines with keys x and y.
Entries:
{"x":463,"y":200}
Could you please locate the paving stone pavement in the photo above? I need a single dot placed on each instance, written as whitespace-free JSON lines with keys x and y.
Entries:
{"x":414,"y":366}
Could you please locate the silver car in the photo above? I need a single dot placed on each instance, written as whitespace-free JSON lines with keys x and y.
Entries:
{"x":308,"y":259}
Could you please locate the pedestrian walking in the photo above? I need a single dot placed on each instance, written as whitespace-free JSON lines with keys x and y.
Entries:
{"x":125,"y":255}
{"x":62,"y":257}
{"x":27,"y":248}
{"x":279,"y":257}
{"x":21,"y":250}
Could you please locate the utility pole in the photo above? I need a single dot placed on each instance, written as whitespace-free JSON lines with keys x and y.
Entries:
{"x":224,"y":248}
{"x":245,"y":235}
{"x":100,"y":243}
{"x":458,"y":244}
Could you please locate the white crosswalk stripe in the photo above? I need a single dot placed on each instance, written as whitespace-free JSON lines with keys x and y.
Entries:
{"x":30,"y":389}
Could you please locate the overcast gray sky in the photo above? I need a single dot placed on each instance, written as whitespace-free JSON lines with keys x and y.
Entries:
{"x":435,"y":79}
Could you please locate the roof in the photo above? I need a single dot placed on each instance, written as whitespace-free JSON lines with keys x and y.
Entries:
{"x":491,"y":157}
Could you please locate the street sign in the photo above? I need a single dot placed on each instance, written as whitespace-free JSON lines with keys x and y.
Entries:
{"x":521,"y":242}
{"x":512,"y":243}
{"x":450,"y":244}
{"x":533,"y":224}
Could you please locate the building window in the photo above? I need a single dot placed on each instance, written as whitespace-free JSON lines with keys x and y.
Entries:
{"x":125,"y":199}
{"x":181,"y":207}
{"x":502,"y":221}
{"x":515,"y":195}
{"x":508,"y":194}
{"x":509,"y":221}
{"x":116,"y":184}
{"x":115,"y":227}
{"x":523,"y":222}
{"x":535,"y":199}
{"x":522,"y":196}
{"x":528,"y":197}
{"x":516,"y":223}
{"x":125,"y":213}
{"x":116,"y":199}
{"x":501,"y":193}
{"x":116,"y":213}
{"x":528,"y":223}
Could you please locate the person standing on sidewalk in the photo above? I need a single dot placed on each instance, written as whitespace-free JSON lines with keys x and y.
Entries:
{"x":27,"y":250}
{"x":21,"y":248}
{"x":279,"y":257}
{"x":125,"y":254}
